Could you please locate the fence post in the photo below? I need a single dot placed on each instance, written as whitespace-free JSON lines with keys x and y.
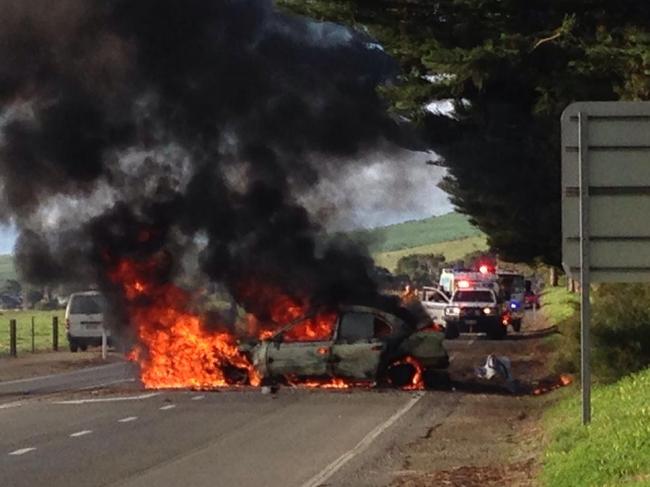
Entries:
{"x":13,"y":349}
{"x":33,"y":337}
{"x":55,"y":333}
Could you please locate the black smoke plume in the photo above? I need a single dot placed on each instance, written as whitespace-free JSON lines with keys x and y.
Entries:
{"x":130,"y":128}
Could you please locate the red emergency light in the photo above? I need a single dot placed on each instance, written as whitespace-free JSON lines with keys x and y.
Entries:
{"x":484,"y":269}
{"x":463,"y":284}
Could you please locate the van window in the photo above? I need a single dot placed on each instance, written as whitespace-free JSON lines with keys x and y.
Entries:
{"x":87,"y":305}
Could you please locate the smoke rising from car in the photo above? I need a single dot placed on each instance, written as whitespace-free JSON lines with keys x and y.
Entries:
{"x":167,"y":127}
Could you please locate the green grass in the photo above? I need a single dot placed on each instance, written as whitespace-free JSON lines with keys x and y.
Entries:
{"x":417,"y":233}
{"x":7,"y":269}
{"x":452,"y":250}
{"x":42,"y":329}
{"x":613,"y":450}
{"x":558,"y":304}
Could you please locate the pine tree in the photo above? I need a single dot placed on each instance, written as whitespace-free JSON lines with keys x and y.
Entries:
{"x":510,"y":67}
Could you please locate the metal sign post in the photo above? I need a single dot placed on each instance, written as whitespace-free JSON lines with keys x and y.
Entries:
{"x":605,"y":203}
{"x":585,"y":305}
{"x":104,"y":343}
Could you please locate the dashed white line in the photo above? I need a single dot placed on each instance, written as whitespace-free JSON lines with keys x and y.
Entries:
{"x":9,"y":405}
{"x":128,"y":419}
{"x":22,"y":451}
{"x":81,"y":433}
{"x":167,"y":407}
{"x":198,"y":398}
{"x":109,"y":399}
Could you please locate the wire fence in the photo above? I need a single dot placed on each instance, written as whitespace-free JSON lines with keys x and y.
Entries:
{"x":35,"y":331}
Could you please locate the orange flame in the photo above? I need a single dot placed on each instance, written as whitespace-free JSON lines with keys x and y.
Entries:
{"x":562,"y":381}
{"x":175,"y":347}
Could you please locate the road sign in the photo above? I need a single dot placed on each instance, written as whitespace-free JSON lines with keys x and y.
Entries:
{"x":605,"y":204}
{"x":615,"y":147}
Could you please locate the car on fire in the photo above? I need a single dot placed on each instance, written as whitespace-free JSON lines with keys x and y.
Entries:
{"x":359,"y":344}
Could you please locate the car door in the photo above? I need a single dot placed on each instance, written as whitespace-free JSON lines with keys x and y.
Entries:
{"x":299,"y":354}
{"x":434,"y":303}
{"x":360,"y":342}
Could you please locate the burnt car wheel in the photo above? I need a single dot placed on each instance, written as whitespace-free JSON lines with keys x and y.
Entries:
{"x":402,"y":373}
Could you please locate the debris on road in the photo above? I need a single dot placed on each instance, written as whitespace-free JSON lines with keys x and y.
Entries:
{"x":499,"y":367}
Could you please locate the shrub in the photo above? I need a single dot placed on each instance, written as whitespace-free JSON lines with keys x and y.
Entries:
{"x":620,"y":332}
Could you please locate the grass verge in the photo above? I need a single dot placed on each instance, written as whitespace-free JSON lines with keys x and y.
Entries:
{"x":613,"y":450}
{"x":42,"y":330}
{"x":558,"y":304}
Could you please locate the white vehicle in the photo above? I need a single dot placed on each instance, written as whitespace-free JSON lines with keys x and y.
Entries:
{"x":84,"y":320}
{"x":434,"y":303}
{"x":476,"y":310}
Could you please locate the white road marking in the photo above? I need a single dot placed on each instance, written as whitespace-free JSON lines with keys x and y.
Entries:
{"x":109,"y":399}
{"x":104,"y":384}
{"x":198,"y":398}
{"x":167,"y":407}
{"x":127,"y":419}
{"x":81,"y":433}
{"x":321,"y":477}
{"x":10,"y":405}
{"x":22,"y":451}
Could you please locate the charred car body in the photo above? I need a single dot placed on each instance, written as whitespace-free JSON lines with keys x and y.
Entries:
{"x":357,"y":343}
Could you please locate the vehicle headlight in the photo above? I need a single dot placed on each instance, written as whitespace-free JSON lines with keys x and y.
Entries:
{"x":488,"y":311}
{"x":452,"y":311}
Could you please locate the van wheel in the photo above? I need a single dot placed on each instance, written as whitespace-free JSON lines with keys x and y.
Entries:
{"x":83,"y":347}
{"x":73,"y":346}
{"x":451,"y":331}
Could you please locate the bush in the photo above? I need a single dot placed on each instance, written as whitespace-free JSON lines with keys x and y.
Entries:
{"x":620,"y":332}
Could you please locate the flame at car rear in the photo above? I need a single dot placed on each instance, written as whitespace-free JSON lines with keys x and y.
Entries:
{"x":175,"y":348}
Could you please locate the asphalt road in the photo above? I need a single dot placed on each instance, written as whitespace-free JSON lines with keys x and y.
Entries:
{"x":95,"y":427}
{"x":91,"y":377}
{"x":244,"y":438}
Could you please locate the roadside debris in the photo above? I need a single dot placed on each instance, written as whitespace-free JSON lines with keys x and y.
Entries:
{"x":499,"y":367}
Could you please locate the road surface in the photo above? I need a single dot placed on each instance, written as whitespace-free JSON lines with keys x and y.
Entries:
{"x":97,"y":427}
{"x":245,"y":438}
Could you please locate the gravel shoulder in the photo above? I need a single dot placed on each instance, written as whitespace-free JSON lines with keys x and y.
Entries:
{"x":492,"y":437}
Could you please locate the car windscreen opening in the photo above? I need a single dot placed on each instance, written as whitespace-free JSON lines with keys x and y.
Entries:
{"x":473,"y":296}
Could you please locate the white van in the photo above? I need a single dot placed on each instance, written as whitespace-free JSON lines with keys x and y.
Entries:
{"x":84,"y":320}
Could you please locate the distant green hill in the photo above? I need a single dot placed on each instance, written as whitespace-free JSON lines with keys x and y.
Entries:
{"x":418,"y":233}
{"x":7,"y":269}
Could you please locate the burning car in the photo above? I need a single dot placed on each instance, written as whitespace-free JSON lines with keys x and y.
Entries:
{"x":353,"y":345}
